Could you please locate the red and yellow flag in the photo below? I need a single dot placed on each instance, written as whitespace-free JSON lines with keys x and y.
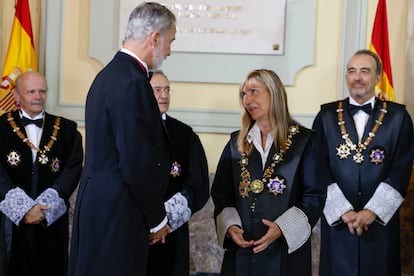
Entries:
{"x":21,"y":55}
{"x":379,"y":45}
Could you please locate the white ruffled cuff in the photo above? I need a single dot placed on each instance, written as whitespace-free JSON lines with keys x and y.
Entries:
{"x":295,"y":227}
{"x":227,"y":217}
{"x":177,"y":211}
{"x":385,"y":202}
{"x":16,"y":204}
{"x":57,"y":206}
{"x":336,"y":204}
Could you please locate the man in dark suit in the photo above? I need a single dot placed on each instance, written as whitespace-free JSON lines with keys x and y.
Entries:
{"x":120,"y":205}
{"x":369,"y":146}
{"x":40,"y":166}
{"x":188,"y":188}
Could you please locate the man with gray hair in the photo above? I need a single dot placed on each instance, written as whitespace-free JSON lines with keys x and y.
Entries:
{"x":120,"y":205}
{"x":188,"y":188}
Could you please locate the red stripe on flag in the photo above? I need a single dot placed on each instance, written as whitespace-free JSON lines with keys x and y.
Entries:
{"x":23,"y":15}
{"x":380,"y":40}
{"x":7,"y":102}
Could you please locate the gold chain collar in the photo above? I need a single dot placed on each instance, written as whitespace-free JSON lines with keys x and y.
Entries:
{"x":344,"y":150}
{"x":21,"y":135}
{"x":276,"y":185}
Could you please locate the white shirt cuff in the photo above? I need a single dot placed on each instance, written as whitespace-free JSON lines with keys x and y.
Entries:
{"x":295,"y":227}
{"x":159,"y":226}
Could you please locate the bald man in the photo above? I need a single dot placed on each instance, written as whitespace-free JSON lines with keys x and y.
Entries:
{"x":40,"y":165}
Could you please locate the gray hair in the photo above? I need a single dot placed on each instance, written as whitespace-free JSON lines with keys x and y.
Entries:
{"x":159,"y":72}
{"x":146,"y":18}
{"x":372,"y":54}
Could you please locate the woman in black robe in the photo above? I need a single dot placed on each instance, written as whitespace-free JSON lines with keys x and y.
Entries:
{"x":269,"y":188}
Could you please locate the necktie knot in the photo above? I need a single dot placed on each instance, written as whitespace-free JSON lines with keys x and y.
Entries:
{"x":355,"y":108}
{"x":27,"y":121}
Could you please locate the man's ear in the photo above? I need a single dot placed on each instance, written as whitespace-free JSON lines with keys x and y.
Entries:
{"x":155,"y":39}
{"x":379,"y":77}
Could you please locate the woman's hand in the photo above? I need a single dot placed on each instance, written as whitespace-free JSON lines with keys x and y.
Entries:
{"x":236,"y":234}
{"x":272,"y":234}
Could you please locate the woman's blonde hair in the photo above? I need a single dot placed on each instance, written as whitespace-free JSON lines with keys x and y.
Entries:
{"x":279,"y":116}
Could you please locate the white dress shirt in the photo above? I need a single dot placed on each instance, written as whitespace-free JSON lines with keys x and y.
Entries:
{"x":34,"y":133}
{"x":361,"y":118}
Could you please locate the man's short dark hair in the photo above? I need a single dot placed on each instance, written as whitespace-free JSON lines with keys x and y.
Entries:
{"x":374,"y":56}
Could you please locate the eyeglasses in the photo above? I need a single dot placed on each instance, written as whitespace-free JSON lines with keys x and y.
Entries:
{"x":159,"y":90}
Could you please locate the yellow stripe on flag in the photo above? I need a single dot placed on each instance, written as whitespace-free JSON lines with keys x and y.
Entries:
{"x":380,"y":45}
{"x":21,"y":55}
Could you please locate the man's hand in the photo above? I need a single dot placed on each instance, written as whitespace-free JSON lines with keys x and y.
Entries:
{"x":35,"y":215}
{"x":159,"y":236}
{"x":349,"y":218}
{"x":358,"y":221}
{"x":363,"y":218}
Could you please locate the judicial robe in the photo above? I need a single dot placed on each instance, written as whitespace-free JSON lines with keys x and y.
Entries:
{"x":172,"y":257}
{"x":376,"y":251}
{"x":299,"y":169}
{"x":37,"y":249}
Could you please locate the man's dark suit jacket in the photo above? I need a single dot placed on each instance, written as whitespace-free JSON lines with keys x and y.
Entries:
{"x":125,"y":174}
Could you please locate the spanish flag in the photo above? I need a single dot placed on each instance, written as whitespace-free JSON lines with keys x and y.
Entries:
{"x":21,"y":55}
{"x":379,"y":45}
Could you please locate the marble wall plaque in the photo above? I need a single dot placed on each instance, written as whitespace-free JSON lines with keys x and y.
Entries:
{"x":223,"y":26}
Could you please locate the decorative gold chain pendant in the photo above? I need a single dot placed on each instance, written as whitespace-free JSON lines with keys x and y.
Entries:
{"x":276,"y":185}
{"x":343,"y":151}
{"x":43,"y":159}
{"x":256,"y":186}
{"x":358,"y":157}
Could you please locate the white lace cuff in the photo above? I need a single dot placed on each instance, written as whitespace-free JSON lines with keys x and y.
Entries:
{"x":177,"y":210}
{"x":57,"y":206}
{"x":16,"y":204}
{"x":336,"y":204}
{"x":385,"y":202}
{"x":227,"y":217}
{"x":295,"y":227}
